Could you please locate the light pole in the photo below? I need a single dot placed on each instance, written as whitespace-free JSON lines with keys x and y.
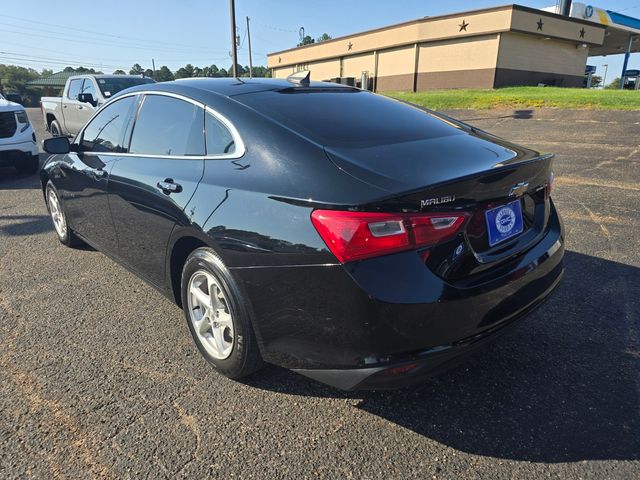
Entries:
{"x":234,"y":49}
{"x":250,"y":60}
{"x":604,"y":79}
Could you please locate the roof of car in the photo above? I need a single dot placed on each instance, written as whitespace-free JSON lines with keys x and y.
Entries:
{"x":238,"y":86}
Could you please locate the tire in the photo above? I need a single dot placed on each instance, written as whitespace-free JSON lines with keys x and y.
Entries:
{"x":63,"y":232}
{"x":54,"y":128}
{"x":29,"y":166}
{"x":222,"y":329}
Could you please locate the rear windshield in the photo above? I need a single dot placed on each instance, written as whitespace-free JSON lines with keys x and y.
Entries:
{"x":347,"y":118}
{"x":110,"y":86}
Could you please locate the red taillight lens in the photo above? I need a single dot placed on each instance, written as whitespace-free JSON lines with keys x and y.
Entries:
{"x":356,"y":235}
{"x":430,"y":230}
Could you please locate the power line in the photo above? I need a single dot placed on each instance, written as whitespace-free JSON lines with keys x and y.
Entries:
{"x":94,"y":33}
{"x":279,"y":29}
{"x":52,"y":63}
{"x":49,"y":59}
{"x":75,"y":39}
{"x":628,"y":8}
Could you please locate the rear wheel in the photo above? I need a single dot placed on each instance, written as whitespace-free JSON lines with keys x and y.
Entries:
{"x":218,"y":316}
{"x":59,"y":219}
{"x":55,"y":129}
{"x":29,"y":165}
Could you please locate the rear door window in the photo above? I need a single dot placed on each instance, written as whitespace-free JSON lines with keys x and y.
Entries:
{"x":74,"y":88}
{"x":105,"y":132}
{"x":168,"y":126}
{"x":219,"y":138}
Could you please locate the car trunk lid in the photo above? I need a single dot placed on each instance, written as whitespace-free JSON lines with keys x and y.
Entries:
{"x":470,"y":172}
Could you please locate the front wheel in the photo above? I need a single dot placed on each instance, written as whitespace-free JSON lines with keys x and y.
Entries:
{"x":59,"y":219}
{"x":218,"y":316}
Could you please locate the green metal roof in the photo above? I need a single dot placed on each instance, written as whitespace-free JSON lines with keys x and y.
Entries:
{"x":55,"y":80}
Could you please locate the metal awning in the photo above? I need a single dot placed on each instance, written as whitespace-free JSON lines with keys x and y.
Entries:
{"x":620,"y":29}
{"x":57,"y":80}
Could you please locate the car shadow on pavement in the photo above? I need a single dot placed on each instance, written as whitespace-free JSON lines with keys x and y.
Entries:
{"x":11,"y":179}
{"x":24,"y":225}
{"x":562,"y":386}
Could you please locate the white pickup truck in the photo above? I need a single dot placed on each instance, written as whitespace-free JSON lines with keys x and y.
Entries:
{"x":18,"y":146}
{"x":81,"y":97}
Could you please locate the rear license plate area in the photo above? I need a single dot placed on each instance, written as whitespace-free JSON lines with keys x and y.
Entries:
{"x":504,"y":222}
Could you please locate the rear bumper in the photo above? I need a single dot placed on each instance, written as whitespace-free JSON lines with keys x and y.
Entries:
{"x":346,"y":325}
{"x":417,"y":367}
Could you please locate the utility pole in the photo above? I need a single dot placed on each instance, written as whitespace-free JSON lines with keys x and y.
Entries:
{"x":604,"y":79}
{"x":153,"y":63}
{"x":234,"y":47}
{"x":250,"y":61}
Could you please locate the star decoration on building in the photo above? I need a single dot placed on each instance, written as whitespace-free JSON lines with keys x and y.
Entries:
{"x":540,"y":23}
{"x":582,"y":32}
{"x":463,"y":26}
{"x":350,"y":46}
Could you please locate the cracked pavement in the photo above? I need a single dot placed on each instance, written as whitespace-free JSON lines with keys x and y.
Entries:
{"x":99,"y":377}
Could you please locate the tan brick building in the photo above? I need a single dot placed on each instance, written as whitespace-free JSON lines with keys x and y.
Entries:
{"x":488,"y":48}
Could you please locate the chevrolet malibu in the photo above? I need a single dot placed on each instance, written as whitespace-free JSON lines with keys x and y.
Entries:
{"x":355,"y":239}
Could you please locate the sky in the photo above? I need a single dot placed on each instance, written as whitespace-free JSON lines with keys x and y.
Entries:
{"x":118,"y":33}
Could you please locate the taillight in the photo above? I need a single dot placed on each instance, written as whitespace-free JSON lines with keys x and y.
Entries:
{"x":550,"y":184}
{"x":357,"y":235}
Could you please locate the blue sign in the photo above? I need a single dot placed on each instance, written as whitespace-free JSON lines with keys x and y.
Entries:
{"x":504,"y":222}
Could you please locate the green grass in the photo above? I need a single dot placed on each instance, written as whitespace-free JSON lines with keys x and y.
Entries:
{"x":524,"y":97}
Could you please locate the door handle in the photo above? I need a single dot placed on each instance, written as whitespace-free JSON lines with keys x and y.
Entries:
{"x":169,"y":186}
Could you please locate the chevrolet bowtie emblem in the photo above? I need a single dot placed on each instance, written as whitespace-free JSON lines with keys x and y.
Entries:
{"x":519,"y":189}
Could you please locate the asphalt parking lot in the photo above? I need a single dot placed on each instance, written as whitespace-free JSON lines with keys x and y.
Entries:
{"x":99,"y":376}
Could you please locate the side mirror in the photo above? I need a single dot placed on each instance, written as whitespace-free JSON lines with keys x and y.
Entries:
{"x":56,"y":145}
{"x":87,"y":98}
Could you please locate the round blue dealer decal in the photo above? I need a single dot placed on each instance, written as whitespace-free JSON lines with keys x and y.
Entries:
{"x":505,"y":220}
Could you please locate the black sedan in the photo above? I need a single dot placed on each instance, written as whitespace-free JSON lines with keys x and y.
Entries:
{"x":358,"y":240}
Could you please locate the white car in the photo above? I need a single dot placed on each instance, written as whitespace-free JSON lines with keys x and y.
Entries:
{"x":18,"y":145}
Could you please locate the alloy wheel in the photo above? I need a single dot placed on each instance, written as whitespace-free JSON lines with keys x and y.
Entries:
{"x":57,"y":216}
{"x":210,"y":315}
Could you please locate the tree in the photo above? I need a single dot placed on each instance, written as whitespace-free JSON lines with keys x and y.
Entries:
{"x":223,"y":73}
{"x":46,"y":72}
{"x":148,"y":73}
{"x":323,"y":38}
{"x":164,"y":74}
{"x":80,"y":70}
{"x":119,"y":72}
{"x":596,"y":81}
{"x":307,"y":40}
{"x":136,"y":70}
{"x":14,"y":80}
{"x":185,"y":72}
{"x":214,"y":71}
{"x":614,"y":85}
{"x":259,"y":72}
{"x":240,"y":71}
